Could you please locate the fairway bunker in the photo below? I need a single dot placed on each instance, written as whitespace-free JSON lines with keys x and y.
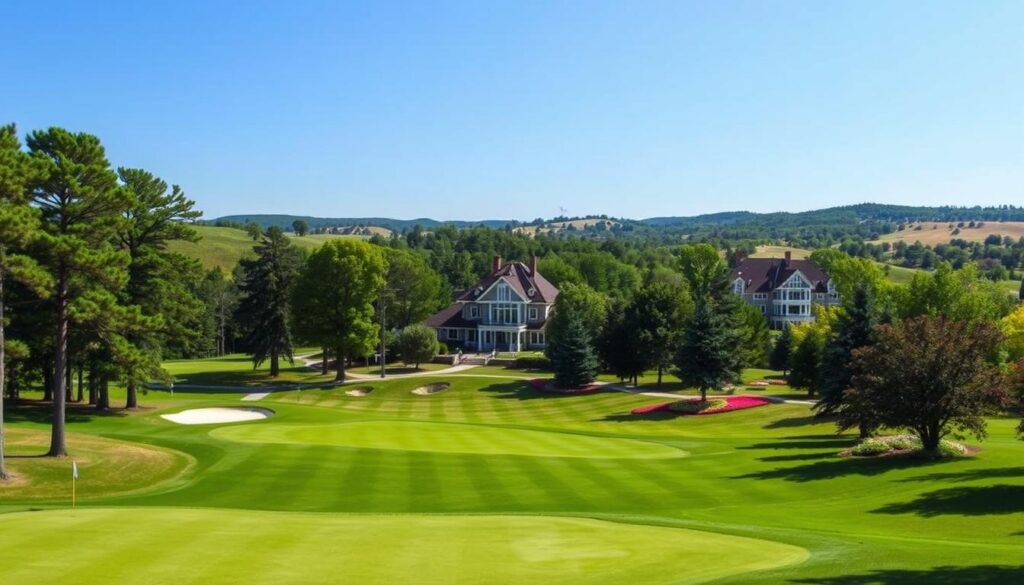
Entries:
{"x":362,"y":391}
{"x":210,"y":416}
{"x":431,"y":389}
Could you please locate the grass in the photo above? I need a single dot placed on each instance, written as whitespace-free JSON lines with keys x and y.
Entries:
{"x":493,"y":481}
{"x":225,"y":246}
{"x":398,"y":369}
{"x":780,"y":252}
{"x":932,"y":233}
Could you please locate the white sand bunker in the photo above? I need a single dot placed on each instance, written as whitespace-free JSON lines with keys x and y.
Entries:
{"x":431,"y":388}
{"x":359,"y":391}
{"x":209,"y":416}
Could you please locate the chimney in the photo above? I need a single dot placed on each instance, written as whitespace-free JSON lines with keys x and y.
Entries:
{"x":789,"y":256}
{"x":497,"y":264}
{"x":533,"y":265}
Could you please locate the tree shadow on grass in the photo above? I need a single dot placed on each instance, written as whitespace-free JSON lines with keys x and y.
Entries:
{"x":799,"y":421}
{"x":963,"y":501}
{"x":974,"y":474}
{"x":656,"y":416}
{"x":836,"y":466}
{"x":37,"y":411}
{"x":521,"y":390}
{"x":977,"y":575}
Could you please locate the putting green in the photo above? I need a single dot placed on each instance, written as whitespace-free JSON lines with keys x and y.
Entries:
{"x":449,"y":438}
{"x":162,"y":545}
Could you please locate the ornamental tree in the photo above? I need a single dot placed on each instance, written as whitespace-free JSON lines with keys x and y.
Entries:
{"x":930,"y":375}
{"x":417,"y":344}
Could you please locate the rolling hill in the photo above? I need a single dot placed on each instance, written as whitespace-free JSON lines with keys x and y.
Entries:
{"x":224,"y":246}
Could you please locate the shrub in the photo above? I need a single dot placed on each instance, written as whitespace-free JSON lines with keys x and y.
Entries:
{"x":533,"y":363}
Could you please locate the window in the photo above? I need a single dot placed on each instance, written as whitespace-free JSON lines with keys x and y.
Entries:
{"x":737,"y":286}
{"x":763,"y":309}
{"x":453,"y":334}
{"x":503,"y":293}
{"x":533,"y":313}
{"x":820,"y":296}
{"x":505,"y":313}
{"x":536,"y":338}
{"x":760,"y":296}
{"x":474,"y":312}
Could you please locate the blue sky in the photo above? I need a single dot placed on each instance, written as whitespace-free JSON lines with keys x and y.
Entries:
{"x":472,"y":110}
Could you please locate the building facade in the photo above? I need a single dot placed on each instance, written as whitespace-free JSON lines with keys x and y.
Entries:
{"x":506,"y":311}
{"x":783,"y":289}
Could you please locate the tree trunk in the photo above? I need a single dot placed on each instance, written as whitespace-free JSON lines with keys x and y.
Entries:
{"x":47,"y":383}
{"x":930,"y":437}
{"x":58,"y":447}
{"x":92,"y":385}
{"x":3,"y":370}
{"x":340,"y":375}
{"x":865,"y":432}
{"x":133,"y":395}
{"x":324,"y":369}
{"x":659,"y":374}
{"x":80,"y":389}
{"x":703,"y":394}
{"x":103,"y":401}
{"x":69,"y":386}
{"x":274,"y":365}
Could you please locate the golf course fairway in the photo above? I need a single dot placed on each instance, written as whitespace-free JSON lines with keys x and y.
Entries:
{"x":450,"y":438}
{"x":189,"y":545}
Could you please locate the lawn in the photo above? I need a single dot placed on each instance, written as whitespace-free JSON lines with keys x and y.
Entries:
{"x":225,"y":246}
{"x":491,"y":481}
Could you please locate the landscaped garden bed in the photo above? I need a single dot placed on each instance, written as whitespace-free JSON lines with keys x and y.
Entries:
{"x":896,"y":445}
{"x":713,"y":406}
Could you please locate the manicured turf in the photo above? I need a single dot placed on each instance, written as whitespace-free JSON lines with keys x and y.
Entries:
{"x":770,"y":473}
{"x":449,"y":438}
{"x":217,"y":546}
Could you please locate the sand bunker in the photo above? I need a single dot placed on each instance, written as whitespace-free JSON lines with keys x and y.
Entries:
{"x":431,"y":389}
{"x":209,"y":416}
{"x":359,"y":391}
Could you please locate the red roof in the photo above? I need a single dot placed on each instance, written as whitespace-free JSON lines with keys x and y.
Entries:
{"x":767,"y":274}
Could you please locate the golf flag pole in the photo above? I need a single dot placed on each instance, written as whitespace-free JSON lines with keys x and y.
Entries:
{"x":74,"y":478}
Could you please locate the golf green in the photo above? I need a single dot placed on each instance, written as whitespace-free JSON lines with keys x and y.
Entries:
{"x":188,"y":545}
{"x":449,"y":438}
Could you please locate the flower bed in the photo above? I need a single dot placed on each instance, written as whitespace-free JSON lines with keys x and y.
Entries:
{"x":778,"y":382}
{"x":713,"y":406}
{"x":545,"y":385}
{"x":760,"y":384}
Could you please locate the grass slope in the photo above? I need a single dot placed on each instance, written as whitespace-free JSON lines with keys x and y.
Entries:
{"x":224,"y":246}
{"x":932,"y":233}
{"x":768,"y":473}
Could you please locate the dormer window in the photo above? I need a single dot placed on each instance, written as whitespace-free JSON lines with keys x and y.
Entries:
{"x":737,"y":286}
{"x":474,"y":312}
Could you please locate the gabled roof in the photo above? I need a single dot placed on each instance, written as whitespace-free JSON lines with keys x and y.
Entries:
{"x":450,"y":316}
{"x":767,"y":274}
{"x":518,"y":276}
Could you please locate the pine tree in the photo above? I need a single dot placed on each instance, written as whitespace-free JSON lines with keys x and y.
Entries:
{"x":159,"y":281}
{"x":709,"y":356}
{"x":81,"y":207}
{"x":19,"y":224}
{"x":805,"y":364}
{"x":853,"y":329}
{"x":264,"y":308}
{"x":572,"y":357}
{"x":780,"y":356}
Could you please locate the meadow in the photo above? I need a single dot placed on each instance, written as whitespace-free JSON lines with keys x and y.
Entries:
{"x":492,"y":481}
{"x":225,"y":246}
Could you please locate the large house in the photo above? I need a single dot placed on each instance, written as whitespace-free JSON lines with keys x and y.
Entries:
{"x":784,"y":289}
{"x":506,"y":311}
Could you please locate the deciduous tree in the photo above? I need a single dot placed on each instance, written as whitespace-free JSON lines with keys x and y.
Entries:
{"x":334,"y":298}
{"x":930,"y":375}
{"x":417,"y":344}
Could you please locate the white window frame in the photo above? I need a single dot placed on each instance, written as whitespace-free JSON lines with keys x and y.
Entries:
{"x":474,"y":311}
{"x":453,"y":335}
{"x":533,"y":313}
{"x":760,"y":296}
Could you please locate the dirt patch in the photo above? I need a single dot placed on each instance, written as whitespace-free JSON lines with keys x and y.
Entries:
{"x":431,"y":389}
{"x":359,"y":391}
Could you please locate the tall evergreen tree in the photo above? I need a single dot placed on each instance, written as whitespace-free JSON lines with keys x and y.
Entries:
{"x":781,"y":353}
{"x":19,"y":224}
{"x":81,"y":207}
{"x":159,"y":281}
{"x":619,"y":346}
{"x":572,"y":357}
{"x":220,"y":294}
{"x":334,"y":298}
{"x":709,"y":356}
{"x":853,"y":329}
{"x":806,"y":361}
{"x":264,"y":306}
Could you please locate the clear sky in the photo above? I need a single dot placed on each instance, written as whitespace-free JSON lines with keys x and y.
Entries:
{"x":487,"y":109}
